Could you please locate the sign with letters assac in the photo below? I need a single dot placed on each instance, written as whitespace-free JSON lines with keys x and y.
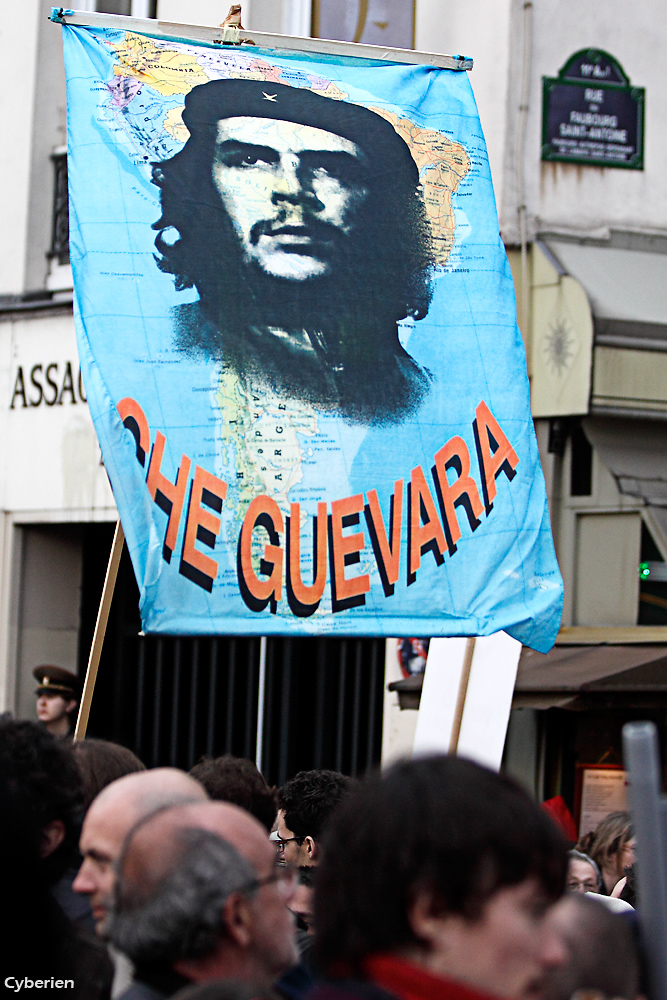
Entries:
{"x":50,"y":383}
{"x":591,"y":114}
{"x":297,"y":331}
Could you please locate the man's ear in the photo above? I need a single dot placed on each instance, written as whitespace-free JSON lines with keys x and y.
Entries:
{"x":429,"y":924}
{"x":311,"y":848}
{"x":53,"y":835}
{"x":71,"y":705}
{"x":238,"y":919}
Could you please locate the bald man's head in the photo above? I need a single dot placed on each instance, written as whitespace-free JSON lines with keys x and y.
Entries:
{"x":152,"y":847}
{"x":111,"y":816}
{"x":204,"y":872}
{"x":232,"y":823}
{"x":603,"y":949}
{"x":142,"y":792}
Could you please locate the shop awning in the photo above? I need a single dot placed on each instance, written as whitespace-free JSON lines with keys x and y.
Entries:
{"x":626,"y":287}
{"x":567,"y":673}
{"x":575,"y":676}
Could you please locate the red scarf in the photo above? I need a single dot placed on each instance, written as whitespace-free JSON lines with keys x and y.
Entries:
{"x":410,"y":982}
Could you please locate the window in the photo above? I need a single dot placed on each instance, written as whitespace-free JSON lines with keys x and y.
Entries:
{"x":60,"y":233}
{"x":123,"y":7}
{"x":581,"y":462}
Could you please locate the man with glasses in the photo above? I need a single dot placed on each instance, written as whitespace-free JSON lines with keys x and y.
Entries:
{"x":306,"y":804}
{"x":583,"y":875}
{"x":200,"y":897}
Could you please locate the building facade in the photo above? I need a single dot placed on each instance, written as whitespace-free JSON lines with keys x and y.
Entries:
{"x":588,"y":248}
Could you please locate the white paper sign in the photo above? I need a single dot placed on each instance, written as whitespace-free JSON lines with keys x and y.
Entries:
{"x":487,"y":703}
{"x":603,"y":790}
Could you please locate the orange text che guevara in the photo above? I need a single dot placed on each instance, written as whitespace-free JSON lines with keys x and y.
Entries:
{"x":431,"y":521}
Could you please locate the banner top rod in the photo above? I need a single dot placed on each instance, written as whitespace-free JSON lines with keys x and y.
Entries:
{"x":233,"y":36}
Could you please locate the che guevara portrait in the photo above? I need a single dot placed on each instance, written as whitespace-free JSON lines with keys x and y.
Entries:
{"x":300,"y":222}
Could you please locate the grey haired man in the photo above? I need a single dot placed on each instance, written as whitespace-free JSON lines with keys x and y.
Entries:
{"x":199,"y":897}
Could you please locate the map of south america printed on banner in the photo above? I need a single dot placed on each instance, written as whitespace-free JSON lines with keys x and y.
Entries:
{"x":302,"y":478}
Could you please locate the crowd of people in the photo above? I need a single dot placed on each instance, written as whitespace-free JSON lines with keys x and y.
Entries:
{"x":434,"y":878}
{"x":604,"y":859}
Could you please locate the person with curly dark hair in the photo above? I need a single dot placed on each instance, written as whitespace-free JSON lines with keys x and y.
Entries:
{"x":306,"y":804}
{"x":436,"y":880}
{"x":237,"y":780}
{"x":41,"y":771}
{"x":301,"y":223}
{"x":41,"y":806}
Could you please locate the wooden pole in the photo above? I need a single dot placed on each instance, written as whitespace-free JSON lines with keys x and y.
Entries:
{"x":463,"y":691}
{"x":98,"y":635}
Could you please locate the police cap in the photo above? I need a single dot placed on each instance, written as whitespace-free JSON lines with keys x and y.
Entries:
{"x":57,"y":680}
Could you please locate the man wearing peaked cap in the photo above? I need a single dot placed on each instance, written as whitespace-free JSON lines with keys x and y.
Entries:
{"x":58,"y":692}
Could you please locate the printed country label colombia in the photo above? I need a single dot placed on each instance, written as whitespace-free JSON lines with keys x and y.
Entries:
{"x":426,"y":508}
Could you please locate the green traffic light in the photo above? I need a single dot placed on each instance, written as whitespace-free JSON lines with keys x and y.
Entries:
{"x":644,"y":571}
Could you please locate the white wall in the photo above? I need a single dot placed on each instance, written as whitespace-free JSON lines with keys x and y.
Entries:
{"x":49,"y":131}
{"x":563,"y":197}
{"x":587,"y":198}
{"x":194,"y":11}
{"x":273,"y":16}
{"x":480,"y":29}
{"x":18,"y":45}
{"x":52,"y":473}
{"x":49,"y":453}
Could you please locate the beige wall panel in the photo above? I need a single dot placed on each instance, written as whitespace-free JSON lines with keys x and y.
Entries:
{"x":607,"y":561}
{"x":398,"y":725}
{"x":561,"y":342}
{"x":630,"y":379}
{"x":50,"y":599}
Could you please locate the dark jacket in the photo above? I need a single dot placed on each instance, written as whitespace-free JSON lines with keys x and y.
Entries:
{"x":154,"y":983}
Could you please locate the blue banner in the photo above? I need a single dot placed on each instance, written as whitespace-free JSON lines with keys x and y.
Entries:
{"x":297,"y":330}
